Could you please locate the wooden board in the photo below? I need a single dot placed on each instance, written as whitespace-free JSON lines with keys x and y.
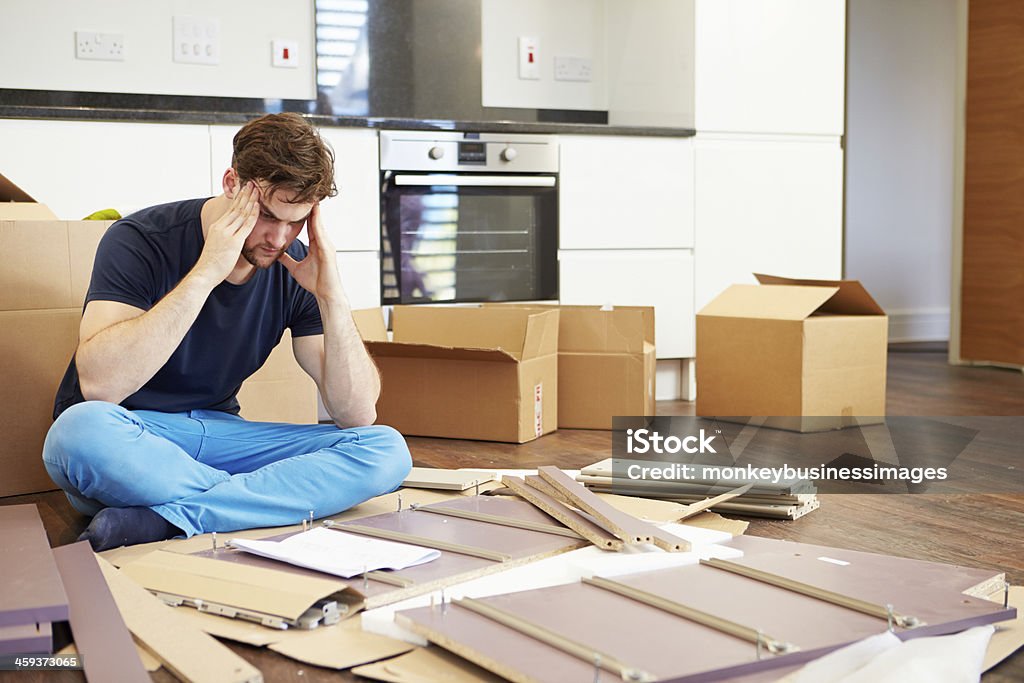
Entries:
{"x":31,"y":591}
{"x":523,"y":545}
{"x":581,"y":525}
{"x":446,"y":480}
{"x":101,"y":637}
{"x":626,"y":527}
{"x":623,"y":627}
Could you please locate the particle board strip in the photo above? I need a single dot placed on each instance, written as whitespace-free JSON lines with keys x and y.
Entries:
{"x":188,"y":653}
{"x":701,"y":506}
{"x":587,"y":654}
{"x":495,"y":519}
{"x":400,"y":537}
{"x":587,"y":529}
{"x":856,"y":604}
{"x":108,"y":652}
{"x":732,"y":628}
{"x":626,"y":527}
{"x":31,"y":591}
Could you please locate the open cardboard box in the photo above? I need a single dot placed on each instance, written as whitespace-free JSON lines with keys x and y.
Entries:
{"x":805,"y":355}
{"x":485,"y":373}
{"x":42,"y":289}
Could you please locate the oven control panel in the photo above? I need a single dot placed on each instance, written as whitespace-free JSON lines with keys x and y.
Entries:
{"x":447,"y":151}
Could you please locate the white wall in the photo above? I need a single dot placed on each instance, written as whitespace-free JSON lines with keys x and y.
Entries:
{"x":37,"y":47}
{"x":566,"y":28}
{"x":901,"y":83}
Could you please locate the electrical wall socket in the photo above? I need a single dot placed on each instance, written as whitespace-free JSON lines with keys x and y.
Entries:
{"x":102,"y":46}
{"x":196,"y":40}
{"x":573,"y":69}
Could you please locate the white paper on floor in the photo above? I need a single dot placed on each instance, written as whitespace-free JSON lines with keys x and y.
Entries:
{"x":558,"y":570}
{"x":338,"y":553}
{"x":884,"y":658}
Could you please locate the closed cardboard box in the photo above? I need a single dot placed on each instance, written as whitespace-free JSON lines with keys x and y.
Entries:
{"x":805,"y":355}
{"x":606,"y":363}
{"x":42,"y":288}
{"x":485,"y":373}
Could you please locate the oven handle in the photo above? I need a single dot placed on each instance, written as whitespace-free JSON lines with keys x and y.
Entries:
{"x":475,"y":180}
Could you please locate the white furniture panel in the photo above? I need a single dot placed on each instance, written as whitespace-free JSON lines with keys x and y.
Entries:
{"x":360,"y":276}
{"x":773,"y":66}
{"x":766,"y":205}
{"x":625,"y":192}
{"x":663,"y":279}
{"x":78,"y":167}
{"x":353,"y":216}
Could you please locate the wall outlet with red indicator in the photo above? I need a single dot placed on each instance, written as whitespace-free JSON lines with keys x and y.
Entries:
{"x":286,"y":53}
{"x":529,"y":58}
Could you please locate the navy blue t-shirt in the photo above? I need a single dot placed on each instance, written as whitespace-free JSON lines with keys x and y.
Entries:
{"x":144,"y":256}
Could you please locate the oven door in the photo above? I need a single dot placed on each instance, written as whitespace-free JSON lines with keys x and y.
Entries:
{"x":468,"y":237}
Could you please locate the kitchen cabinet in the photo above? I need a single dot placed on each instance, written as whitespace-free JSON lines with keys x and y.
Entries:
{"x":773,"y":66}
{"x":78,"y":167}
{"x":728,"y":66}
{"x":626,"y":230}
{"x":625,"y":192}
{"x":766,"y":204}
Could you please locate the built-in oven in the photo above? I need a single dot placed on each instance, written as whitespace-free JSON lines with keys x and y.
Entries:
{"x":468,"y":217}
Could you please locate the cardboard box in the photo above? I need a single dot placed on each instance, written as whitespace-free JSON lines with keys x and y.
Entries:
{"x":606,"y":363}
{"x":43,"y":283}
{"x":808,"y":355}
{"x":485,"y":373}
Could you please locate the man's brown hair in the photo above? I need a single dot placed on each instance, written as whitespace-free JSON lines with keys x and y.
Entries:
{"x":288,"y":153}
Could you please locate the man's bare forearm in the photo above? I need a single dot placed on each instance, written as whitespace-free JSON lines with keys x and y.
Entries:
{"x":117,"y":361}
{"x":350,"y":382}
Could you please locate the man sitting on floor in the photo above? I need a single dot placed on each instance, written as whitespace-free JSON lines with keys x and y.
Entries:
{"x":186,"y":301}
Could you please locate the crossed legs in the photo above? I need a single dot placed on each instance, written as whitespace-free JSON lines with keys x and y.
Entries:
{"x":210,"y":471}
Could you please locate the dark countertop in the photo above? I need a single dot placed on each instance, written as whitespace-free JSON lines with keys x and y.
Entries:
{"x":201,"y":110}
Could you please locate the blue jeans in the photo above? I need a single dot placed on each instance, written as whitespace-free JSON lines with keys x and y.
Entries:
{"x":206,"y":470}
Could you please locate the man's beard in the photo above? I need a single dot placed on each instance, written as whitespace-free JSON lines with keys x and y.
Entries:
{"x":257,"y":256}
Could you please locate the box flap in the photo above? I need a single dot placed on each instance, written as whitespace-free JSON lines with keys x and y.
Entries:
{"x":476,"y":327}
{"x":768,"y":302}
{"x":370,"y":323}
{"x":852,"y":298}
{"x":25,"y":211}
{"x":541,"y":334}
{"x":410,"y":350}
{"x":9,"y":192}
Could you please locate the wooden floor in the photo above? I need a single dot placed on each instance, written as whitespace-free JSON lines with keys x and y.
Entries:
{"x":984,"y":531}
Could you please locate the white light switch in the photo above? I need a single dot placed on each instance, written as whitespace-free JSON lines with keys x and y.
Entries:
{"x":529,"y":59}
{"x":196,"y":40}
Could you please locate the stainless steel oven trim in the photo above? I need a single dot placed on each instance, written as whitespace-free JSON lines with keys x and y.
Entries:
{"x":435,"y":180}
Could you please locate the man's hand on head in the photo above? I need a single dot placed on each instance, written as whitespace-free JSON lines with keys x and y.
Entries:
{"x":227,"y":234}
{"x":318,"y":272}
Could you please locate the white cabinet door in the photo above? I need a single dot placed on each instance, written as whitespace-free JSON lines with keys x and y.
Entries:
{"x":78,"y":167}
{"x":663,"y":279}
{"x":769,"y":206}
{"x":625,"y":193}
{"x":353,"y":217}
{"x":771,"y":66}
